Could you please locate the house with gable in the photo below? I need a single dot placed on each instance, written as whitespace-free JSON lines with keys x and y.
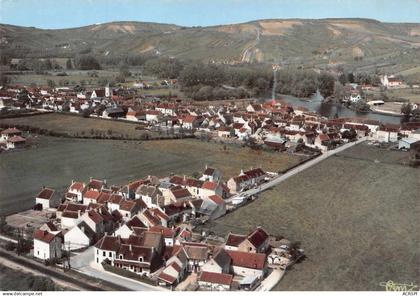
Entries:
{"x":47,"y":245}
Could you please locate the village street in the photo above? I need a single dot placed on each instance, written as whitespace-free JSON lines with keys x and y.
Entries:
{"x":269,"y":282}
{"x":83,"y":262}
{"x":296,"y":170}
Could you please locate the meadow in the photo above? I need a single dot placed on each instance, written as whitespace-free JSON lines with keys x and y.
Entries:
{"x":356,"y":215}
{"x":54,"y":162}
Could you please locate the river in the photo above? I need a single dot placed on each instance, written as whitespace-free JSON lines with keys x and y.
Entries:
{"x":330,"y":110}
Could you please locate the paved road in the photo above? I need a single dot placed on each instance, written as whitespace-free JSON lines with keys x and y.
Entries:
{"x":269,"y":282}
{"x":83,"y":262}
{"x":296,"y":170}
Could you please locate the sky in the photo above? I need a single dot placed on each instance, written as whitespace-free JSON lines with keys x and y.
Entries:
{"x":53,"y":14}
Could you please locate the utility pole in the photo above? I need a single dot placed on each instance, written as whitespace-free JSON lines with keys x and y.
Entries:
{"x":66,"y":263}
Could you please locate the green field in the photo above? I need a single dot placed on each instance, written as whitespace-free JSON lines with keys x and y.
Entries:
{"x":56,"y":161}
{"x":17,"y":280}
{"x":73,"y":125}
{"x":355,"y":214}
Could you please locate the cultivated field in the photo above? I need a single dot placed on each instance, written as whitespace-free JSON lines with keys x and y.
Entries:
{"x":78,"y":126}
{"x":56,"y":161}
{"x":355,"y":214}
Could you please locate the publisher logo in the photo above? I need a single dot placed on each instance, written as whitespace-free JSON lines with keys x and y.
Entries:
{"x":409,"y":289}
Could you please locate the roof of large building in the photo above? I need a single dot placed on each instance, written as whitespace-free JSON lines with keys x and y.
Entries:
{"x":109,"y":243}
{"x":44,"y":235}
{"x":258,"y":237}
{"x":45,"y":193}
{"x":235,"y":239}
{"x":247,"y":260}
{"x":216,"y":278}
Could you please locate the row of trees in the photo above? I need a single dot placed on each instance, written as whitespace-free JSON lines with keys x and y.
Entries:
{"x":36,"y":65}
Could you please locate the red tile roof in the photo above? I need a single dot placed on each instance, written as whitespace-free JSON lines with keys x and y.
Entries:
{"x":92,"y":194}
{"x":216,"y":278}
{"x":45,"y":193}
{"x":258,"y":237}
{"x":16,"y":139}
{"x":78,"y":186}
{"x":11,"y":131}
{"x":109,"y":243}
{"x":167,"y":278}
{"x":44,"y":235}
{"x":247,"y":260}
{"x":181,"y":193}
{"x":209,"y":185}
{"x":217,"y":199}
{"x":234,"y":239}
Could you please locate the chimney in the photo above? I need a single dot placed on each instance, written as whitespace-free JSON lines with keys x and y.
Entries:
{"x":78,"y":213}
{"x":131,"y":249}
{"x":242,"y":172}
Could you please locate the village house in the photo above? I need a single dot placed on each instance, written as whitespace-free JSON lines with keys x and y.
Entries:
{"x":47,"y":245}
{"x":151,"y":195}
{"x":95,"y":184}
{"x":220,"y":262}
{"x":79,"y":237}
{"x":215,"y":281}
{"x":114,"y":202}
{"x":91,"y":196}
{"x":233,"y":241}
{"x":211,"y":175}
{"x":177,"y":194}
{"x":153,"y":116}
{"x":15,"y":142}
{"x":106,"y":249}
{"x":255,"y":242}
{"x":70,"y":214}
{"x":197,"y":256}
{"x":175,"y":270}
{"x":387,"y":133}
{"x":246,"y":180}
{"x":47,"y":198}
{"x":248,"y":264}
{"x":137,"y":259}
{"x":75,"y":191}
{"x":9,"y":133}
{"x":130,"y":227}
{"x":213,"y":206}
{"x":168,"y":234}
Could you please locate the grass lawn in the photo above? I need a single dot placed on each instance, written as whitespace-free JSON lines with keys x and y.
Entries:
{"x":55,"y":162}
{"x":355,"y":214}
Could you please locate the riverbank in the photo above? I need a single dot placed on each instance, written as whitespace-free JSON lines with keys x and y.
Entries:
{"x":331,"y":110}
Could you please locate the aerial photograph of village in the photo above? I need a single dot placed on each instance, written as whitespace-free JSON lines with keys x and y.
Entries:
{"x":226,"y":145}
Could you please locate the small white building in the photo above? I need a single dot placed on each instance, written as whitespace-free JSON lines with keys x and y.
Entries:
{"x":75,"y":192}
{"x":47,"y":245}
{"x":106,"y":249}
{"x":405,"y":143}
{"x":46,"y":197}
{"x":215,"y":281}
{"x":79,"y":237}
